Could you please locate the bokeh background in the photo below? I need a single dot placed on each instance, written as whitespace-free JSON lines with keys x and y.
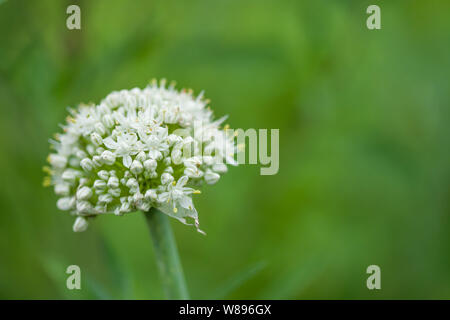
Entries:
{"x":364,"y":146}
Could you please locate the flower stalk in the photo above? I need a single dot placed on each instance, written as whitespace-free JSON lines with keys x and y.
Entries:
{"x":166,"y":252}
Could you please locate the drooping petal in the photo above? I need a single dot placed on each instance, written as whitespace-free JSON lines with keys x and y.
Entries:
{"x":186,"y":202}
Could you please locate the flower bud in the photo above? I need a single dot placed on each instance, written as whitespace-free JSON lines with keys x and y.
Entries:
{"x":177,"y":156}
{"x":105,"y":198}
{"x":84,"y":206}
{"x":108,"y":157}
{"x":81,"y":154}
{"x":101,"y":208}
{"x":136,"y":167}
{"x":132,"y":184}
{"x":150,"y":165}
{"x":100,"y":128}
{"x":141,"y":156}
{"x":167,"y":161}
{"x":131,"y":102}
{"x":80,"y":224}
{"x":166,"y":178}
{"x":155,"y":154}
{"x":103,"y":108}
{"x":125,"y":207}
{"x":90,"y":149}
{"x":103,"y":174}
{"x":87,"y":164}
{"x":173,"y":139}
{"x":169,"y":169}
{"x":154,"y":175}
{"x":57,"y":161}
{"x":83,"y":181}
{"x":170,"y":117}
{"x":97,"y":161}
{"x":142,"y":204}
{"x":151,"y":194}
{"x":220,"y":168}
{"x":69,"y":175}
{"x":115,"y":192}
{"x":108,"y":120}
{"x":193,"y":172}
{"x":74,"y":162}
{"x":65,"y":203}
{"x":96,"y":139}
{"x":193,"y":162}
{"x":142,"y":100}
{"x":189,"y":144}
{"x":211,"y":177}
{"x":84,"y":193}
{"x":113,"y":182}
{"x":137,"y":197}
{"x":99,"y":185}
{"x":208,"y":160}
{"x":62,"y":189}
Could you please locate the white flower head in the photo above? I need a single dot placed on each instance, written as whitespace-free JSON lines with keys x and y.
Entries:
{"x":129,"y":153}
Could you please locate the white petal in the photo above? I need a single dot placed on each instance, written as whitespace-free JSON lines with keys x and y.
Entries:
{"x":127,"y":161}
{"x":186,"y":202}
{"x":182,"y":181}
{"x":163,"y":197}
{"x":110,"y":143}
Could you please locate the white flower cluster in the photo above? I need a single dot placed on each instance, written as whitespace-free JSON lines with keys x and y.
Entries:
{"x":138,"y":149}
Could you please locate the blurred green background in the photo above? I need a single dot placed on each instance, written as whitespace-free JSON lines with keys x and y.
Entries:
{"x":364,"y":146}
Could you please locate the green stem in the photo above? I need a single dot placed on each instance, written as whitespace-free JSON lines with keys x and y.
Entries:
{"x":167,"y":258}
